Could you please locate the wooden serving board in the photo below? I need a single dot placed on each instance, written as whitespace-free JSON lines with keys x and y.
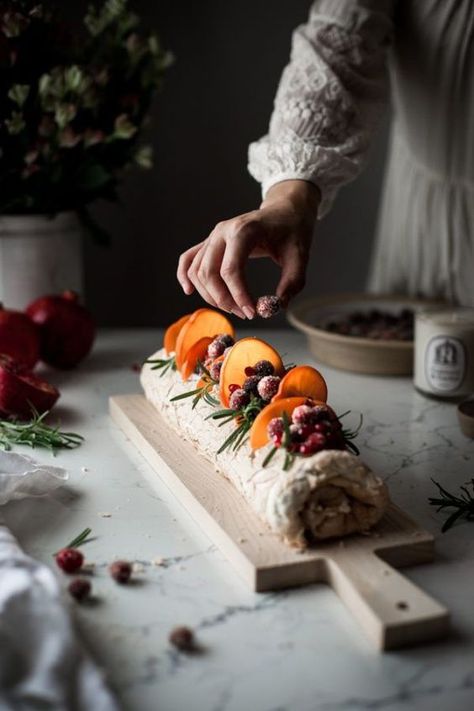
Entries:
{"x":392,"y":611}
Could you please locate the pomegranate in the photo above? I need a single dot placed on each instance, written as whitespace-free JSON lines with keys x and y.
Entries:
{"x":19,"y":337}
{"x":66,"y":329}
{"x":20,"y":390}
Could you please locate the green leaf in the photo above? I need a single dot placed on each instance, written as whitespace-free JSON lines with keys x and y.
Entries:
{"x":19,"y":93}
{"x":92,"y":176}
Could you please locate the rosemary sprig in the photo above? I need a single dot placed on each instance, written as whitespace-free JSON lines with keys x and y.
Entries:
{"x":79,"y":540}
{"x":35,"y":433}
{"x":163,"y":364}
{"x":463,"y":504}
{"x":203,"y":391}
{"x":244,"y":418}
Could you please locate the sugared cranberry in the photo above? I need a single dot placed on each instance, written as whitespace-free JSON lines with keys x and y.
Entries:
{"x":226,"y":340}
{"x":215,"y":349}
{"x":183,"y":639}
{"x":215,"y":370}
{"x":303,"y":415}
{"x":317,"y":439}
{"x":250,"y":384}
{"x":275,"y":428}
{"x":304,"y":431}
{"x":263,"y":367}
{"x":233,"y":387}
{"x":80,"y":589}
{"x":121,"y":571}
{"x":268,"y":306}
{"x":249,"y":371}
{"x":268,"y":386}
{"x":239,"y":399}
{"x":69,"y":559}
{"x":321,"y":427}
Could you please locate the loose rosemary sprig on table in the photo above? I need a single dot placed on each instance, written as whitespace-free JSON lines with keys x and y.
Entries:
{"x":163,"y":364}
{"x":36,"y":433}
{"x":463,"y":504}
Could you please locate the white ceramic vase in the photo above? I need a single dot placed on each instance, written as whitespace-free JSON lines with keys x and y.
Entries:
{"x":39,"y":255}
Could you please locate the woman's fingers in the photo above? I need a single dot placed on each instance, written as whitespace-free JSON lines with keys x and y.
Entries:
{"x":293,"y":270}
{"x":193,"y":276}
{"x":239,"y":245}
{"x":184,"y":263}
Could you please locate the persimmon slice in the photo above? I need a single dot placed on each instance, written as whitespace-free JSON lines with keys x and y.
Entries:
{"x":258,"y":432}
{"x":303,"y":381}
{"x":195,"y":353}
{"x":244,"y":353}
{"x":171,"y":333}
{"x":202,"y":323}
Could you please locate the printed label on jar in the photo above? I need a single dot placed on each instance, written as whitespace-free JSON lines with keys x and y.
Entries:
{"x":445,"y":363}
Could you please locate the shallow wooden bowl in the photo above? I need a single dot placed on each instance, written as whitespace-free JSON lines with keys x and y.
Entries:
{"x":359,"y":355}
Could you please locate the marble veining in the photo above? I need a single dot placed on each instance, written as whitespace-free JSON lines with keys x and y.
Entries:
{"x":295,"y":650}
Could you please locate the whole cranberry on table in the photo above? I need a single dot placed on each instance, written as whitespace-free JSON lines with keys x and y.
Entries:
{"x":19,"y":337}
{"x":121,"y":571}
{"x":80,"y":589}
{"x":66,"y":328}
{"x":21,"y":390}
{"x":70,"y":560}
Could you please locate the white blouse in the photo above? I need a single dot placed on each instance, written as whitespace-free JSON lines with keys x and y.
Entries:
{"x":344,"y":60}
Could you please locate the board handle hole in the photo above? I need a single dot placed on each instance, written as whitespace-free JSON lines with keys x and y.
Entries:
{"x":402,"y":605}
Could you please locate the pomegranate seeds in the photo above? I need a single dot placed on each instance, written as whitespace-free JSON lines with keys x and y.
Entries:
{"x":21,"y":390}
{"x":70,"y":560}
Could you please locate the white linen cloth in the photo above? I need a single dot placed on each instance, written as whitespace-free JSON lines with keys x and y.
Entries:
{"x":42,"y":664}
{"x":329,"y":100}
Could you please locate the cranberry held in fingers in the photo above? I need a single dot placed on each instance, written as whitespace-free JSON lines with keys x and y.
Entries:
{"x":21,"y":390}
{"x":268,"y":306}
{"x":70,"y":560}
{"x":80,"y":589}
{"x":19,"y":337}
{"x":67,"y":329}
{"x":121,"y":570}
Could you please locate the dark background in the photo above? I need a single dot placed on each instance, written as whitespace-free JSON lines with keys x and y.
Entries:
{"x":216,"y":99}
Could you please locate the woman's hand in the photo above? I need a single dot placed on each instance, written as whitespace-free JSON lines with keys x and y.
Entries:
{"x":281,"y":229}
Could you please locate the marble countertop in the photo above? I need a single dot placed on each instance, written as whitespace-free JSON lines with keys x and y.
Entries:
{"x":296,"y":650}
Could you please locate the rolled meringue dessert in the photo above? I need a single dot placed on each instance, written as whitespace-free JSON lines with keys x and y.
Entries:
{"x":266,"y":427}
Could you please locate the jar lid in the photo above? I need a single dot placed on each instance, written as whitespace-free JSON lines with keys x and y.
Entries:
{"x":462,"y":316}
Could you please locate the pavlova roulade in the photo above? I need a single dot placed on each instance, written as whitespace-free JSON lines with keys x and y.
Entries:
{"x":271,"y":434}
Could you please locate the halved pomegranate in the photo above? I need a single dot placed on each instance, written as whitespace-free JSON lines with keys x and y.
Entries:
{"x":21,"y":391}
{"x":19,"y":337}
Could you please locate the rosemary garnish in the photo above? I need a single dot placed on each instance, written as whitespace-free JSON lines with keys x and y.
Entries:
{"x":244,"y":418}
{"x":36,"y":433}
{"x":203,"y":391}
{"x":463,"y":504}
{"x":80,"y":539}
{"x":163,"y":364}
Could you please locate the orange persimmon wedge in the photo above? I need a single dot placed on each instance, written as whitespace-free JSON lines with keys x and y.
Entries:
{"x":303,"y":381}
{"x":202,"y":323}
{"x":243,"y":354}
{"x":258,"y":432}
{"x":195,"y":353}
{"x":172,"y":332}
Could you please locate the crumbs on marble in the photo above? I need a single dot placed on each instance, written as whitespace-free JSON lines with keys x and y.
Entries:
{"x":104,"y":514}
{"x":242,"y":540}
{"x":158,"y":561}
{"x":84,"y":470}
{"x":137,"y":567}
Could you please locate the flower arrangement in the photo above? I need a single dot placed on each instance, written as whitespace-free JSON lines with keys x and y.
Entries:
{"x":72,"y":104}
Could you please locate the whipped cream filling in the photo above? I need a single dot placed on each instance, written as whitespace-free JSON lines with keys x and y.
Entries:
{"x":329,"y":494}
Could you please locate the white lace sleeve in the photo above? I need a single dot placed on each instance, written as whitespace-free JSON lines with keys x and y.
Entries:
{"x":329,"y":98}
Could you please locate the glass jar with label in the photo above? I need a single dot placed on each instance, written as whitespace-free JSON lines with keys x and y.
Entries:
{"x":444,"y":352}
